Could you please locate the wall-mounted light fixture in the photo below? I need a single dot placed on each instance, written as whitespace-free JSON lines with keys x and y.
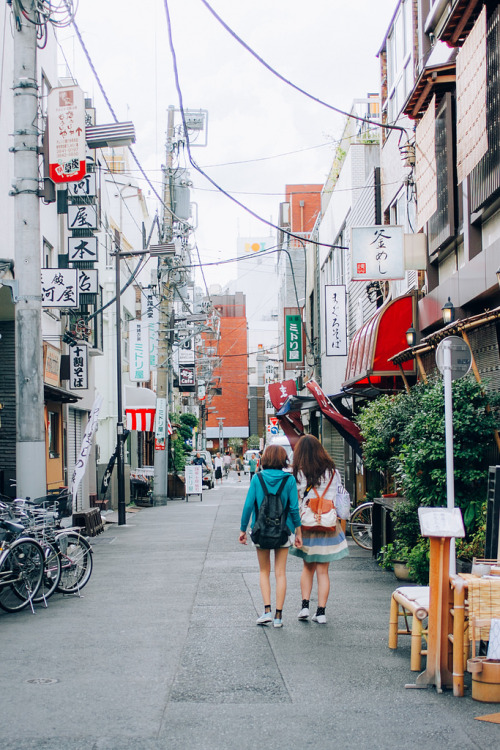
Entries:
{"x":448,"y":311}
{"x":411,"y":336}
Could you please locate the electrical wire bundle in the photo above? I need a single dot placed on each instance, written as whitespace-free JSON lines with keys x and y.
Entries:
{"x":41,"y":13}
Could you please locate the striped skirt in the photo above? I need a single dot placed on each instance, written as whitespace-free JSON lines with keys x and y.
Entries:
{"x":322,"y":546}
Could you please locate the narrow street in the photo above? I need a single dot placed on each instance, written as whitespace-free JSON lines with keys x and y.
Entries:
{"x":162,"y":651}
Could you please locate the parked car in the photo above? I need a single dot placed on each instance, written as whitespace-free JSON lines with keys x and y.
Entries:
{"x":208,"y":476}
{"x":246,"y":459}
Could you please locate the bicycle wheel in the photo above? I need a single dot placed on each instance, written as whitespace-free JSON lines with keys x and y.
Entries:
{"x":51,"y":572}
{"x":360,"y":525}
{"x":21,"y":571}
{"x":76,"y":562}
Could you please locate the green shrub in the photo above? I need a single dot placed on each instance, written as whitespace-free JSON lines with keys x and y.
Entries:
{"x":404,"y":436}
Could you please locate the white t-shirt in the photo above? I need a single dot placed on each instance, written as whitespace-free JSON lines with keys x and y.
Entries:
{"x":218,"y":462}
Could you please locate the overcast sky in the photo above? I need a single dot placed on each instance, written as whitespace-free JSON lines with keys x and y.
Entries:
{"x":327,"y":47}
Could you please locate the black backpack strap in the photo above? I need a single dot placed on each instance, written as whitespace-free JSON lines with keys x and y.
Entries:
{"x":280,"y":490}
{"x":263,"y":484}
{"x":265,"y":490}
{"x":278,"y":493}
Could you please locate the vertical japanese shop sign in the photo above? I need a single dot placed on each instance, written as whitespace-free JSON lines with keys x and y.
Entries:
{"x":66,"y":123}
{"x":138,"y":351}
{"x":78,"y":367}
{"x":377,"y":253}
{"x":294,"y":349}
{"x":160,"y":424}
{"x":150,"y":316}
{"x":335,"y":320}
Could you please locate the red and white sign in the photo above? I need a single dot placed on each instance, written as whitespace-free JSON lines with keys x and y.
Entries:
{"x":273,"y":421}
{"x":67,"y":145}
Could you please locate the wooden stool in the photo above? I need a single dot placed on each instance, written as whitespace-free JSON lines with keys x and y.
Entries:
{"x":410,"y":601}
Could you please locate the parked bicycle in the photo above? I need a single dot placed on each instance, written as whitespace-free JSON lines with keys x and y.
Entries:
{"x":65,"y":548}
{"x":67,"y":553}
{"x":360,"y":525}
{"x":21,"y":567}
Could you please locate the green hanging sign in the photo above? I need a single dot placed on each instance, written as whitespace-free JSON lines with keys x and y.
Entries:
{"x":294,"y":353}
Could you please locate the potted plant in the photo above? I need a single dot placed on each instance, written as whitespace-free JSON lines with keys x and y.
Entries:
{"x":394,"y":556}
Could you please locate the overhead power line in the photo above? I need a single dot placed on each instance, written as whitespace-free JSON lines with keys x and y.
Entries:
{"x":202,"y":172}
{"x":290,"y":83}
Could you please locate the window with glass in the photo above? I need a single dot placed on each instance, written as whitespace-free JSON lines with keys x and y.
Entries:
{"x":53,"y":437}
{"x":48,"y":254}
{"x":399,"y":60}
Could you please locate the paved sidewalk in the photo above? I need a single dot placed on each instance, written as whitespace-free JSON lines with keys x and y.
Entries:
{"x":162,"y":651}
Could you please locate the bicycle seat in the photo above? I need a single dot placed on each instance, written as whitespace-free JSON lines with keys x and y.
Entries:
{"x":14,"y":528}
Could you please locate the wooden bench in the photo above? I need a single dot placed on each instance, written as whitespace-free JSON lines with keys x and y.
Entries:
{"x":410,"y":601}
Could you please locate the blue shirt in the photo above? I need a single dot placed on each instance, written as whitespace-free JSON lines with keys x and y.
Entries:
{"x":272,"y":478}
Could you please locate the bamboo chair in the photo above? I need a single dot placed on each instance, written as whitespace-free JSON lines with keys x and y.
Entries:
{"x":406,"y":602}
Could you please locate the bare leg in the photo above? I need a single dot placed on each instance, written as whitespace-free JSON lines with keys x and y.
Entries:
{"x":280,"y":557}
{"x":323,"y":583}
{"x":306,"y":579}
{"x":264,"y":558}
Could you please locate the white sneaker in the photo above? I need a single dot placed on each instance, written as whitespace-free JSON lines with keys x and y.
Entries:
{"x":265,"y":618}
{"x":304,"y":613}
{"x":320,"y":619}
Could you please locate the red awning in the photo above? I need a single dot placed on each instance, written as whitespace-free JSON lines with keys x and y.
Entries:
{"x":378,"y":339}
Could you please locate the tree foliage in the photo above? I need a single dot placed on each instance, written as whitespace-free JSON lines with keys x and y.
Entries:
{"x":180,"y":445}
{"x":404,"y":435}
{"x":254,"y":442}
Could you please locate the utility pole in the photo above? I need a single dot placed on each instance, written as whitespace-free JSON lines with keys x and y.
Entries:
{"x":221,"y":421}
{"x":120,"y":462}
{"x":30,"y":432}
{"x":166,"y":292}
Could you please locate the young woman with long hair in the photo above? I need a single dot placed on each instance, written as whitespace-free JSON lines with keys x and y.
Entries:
{"x":273,"y":463}
{"x":313,"y":469}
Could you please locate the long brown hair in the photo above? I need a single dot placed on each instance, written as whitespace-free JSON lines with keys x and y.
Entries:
{"x":311,"y":458}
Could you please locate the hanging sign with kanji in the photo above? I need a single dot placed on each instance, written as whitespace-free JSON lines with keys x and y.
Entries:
{"x":59,"y":287}
{"x":82,"y":216}
{"x":294,"y":350}
{"x":82,"y":248}
{"x":335,"y":320}
{"x":150,"y":315}
{"x":377,"y":253}
{"x":84,"y":188}
{"x":139,"y":351}
{"x":78,"y":367}
{"x":88,"y":281}
{"x":66,"y":125}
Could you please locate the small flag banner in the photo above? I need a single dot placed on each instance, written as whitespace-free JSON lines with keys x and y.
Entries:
{"x":141,"y":420}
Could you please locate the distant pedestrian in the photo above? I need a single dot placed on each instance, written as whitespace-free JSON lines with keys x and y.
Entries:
{"x":316,"y":475}
{"x":199,"y":460}
{"x":274,"y":461}
{"x":218,"y":464}
{"x":227,"y":463}
{"x":239,"y":467}
{"x":252,"y":467}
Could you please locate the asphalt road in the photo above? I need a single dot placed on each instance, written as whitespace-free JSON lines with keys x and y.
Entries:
{"x":162,"y":651}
